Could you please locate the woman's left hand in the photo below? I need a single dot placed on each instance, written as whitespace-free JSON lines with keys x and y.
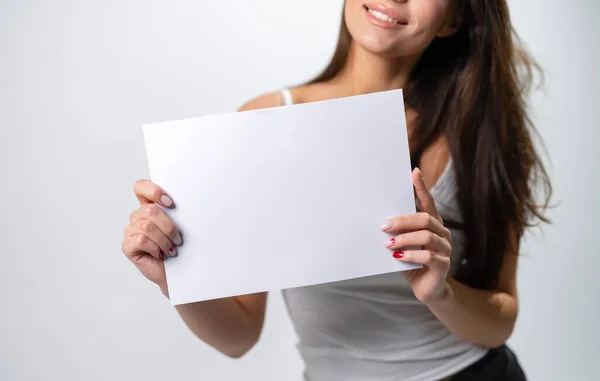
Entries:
{"x":424,"y":231}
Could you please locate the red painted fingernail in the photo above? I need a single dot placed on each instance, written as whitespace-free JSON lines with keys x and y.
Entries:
{"x":171,"y":251}
{"x":398,"y":254}
{"x":391,"y":242}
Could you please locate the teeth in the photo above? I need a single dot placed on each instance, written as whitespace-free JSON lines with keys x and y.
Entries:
{"x":383,"y":17}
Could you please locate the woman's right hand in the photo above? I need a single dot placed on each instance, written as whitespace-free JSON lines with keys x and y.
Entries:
{"x":151,"y":234}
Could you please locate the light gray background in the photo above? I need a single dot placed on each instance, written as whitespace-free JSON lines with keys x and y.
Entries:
{"x":77,"y":80}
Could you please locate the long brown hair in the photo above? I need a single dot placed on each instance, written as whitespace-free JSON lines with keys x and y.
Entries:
{"x":471,"y":87}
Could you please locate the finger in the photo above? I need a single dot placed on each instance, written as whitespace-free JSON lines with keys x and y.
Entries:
{"x":134,"y":216}
{"x":422,"y":238}
{"x":414,"y":222}
{"x":138,"y":245}
{"x":148,"y":229}
{"x":153,"y":213}
{"x":424,"y":197}
{"x":148,"y":192}
{"x":424,"y":257}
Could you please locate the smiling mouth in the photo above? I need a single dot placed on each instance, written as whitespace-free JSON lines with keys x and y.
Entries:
{"x":383,"y":17}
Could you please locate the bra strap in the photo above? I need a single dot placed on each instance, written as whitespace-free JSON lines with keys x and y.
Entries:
{"x":286,"y":96}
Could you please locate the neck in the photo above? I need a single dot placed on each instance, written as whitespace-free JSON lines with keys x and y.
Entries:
{"x":365,"y":72}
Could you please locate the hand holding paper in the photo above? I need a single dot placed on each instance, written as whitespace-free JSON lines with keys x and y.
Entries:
{"x":430,"y":240}
{"x":283,"y":197}
{"x":151,"y":234}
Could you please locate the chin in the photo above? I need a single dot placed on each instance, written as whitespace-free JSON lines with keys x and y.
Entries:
{"x":377,"y":45}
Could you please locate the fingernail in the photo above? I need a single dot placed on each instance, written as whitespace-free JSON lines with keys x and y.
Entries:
{"x":420,"y":173}
{"x":166,"y":200}
{"x":387,"y":225}
{"x":161,"y":255}
{"x":398,"y":254}
{"x":172,"y":251}
{"x":177,"y":240}
{"x":391,"y":242}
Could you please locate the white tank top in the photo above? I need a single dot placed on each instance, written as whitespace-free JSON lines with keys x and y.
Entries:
{"x":374,"y":328}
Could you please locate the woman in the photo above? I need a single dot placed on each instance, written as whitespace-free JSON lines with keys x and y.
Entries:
{"x":464,"y":80}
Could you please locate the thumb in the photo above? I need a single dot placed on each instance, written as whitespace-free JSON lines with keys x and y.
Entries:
{"x":424,"y":197}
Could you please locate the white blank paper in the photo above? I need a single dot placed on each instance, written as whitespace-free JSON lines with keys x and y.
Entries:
{"x":282,"y":197}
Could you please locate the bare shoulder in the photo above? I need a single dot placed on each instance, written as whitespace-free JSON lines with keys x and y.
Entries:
{"x":262,"y":101}
{"x":300,"y":94}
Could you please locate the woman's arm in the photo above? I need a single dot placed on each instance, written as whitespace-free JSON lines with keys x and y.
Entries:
{"x":230,"y":325}
{"x":483,"y":317}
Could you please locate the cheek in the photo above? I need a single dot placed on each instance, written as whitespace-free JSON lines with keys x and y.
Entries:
{"x":429,"y":17}
{"x":352,"y":14}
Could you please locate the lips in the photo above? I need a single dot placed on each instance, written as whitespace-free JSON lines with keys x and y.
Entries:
{"x":384,"y":14}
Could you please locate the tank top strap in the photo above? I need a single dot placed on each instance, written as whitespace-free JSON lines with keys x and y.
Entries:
{"x":286,"y":96}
